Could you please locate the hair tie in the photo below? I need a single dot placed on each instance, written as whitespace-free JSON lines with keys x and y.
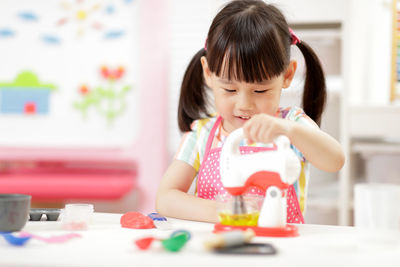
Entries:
{"x":205,"y":44}
{"x":295,"y":39}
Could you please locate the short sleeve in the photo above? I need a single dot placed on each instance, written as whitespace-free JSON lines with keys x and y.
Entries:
{"x":298,"y":115}
{"x":193,"y":143}
{"x":188,"y":150}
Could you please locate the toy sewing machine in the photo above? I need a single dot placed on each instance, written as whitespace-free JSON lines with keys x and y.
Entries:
{"x":272,"y":171}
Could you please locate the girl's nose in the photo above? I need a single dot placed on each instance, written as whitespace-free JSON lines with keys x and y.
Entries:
{"x":244,"y":102}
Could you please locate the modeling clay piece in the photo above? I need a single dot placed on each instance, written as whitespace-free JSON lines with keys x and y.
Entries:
{"x":15,"y":240}
{"x":177,"y":240}
{"x":174,"y":243}
{"x":52,"y":239}
{"x":136,"y":220}
{"x":144,"y":243}
{"x":160,"y":222}
{"x":182,"y":232}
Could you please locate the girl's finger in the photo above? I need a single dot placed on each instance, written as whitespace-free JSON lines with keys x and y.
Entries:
{"x":254,"y":130}
{"x":263,"y":135}
{"x":247,"y":128}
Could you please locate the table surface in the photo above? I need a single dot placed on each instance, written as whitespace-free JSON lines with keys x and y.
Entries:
{"x":106,"y":243}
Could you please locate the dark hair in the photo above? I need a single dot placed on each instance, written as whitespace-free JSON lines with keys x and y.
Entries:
{"x":249,"y":41}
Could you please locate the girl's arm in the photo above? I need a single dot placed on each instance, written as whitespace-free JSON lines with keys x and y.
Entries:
{"x":174,"y":201}
{"x":319,"y":148}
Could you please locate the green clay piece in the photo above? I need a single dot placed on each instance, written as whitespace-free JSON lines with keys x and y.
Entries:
{"x":175,"y":243}
{"x":181,"y":232}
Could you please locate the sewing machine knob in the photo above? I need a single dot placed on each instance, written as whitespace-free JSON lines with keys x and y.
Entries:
{"x":273,"y":194}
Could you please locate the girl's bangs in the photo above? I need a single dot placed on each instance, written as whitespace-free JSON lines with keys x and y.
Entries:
{"x":248,"y":55}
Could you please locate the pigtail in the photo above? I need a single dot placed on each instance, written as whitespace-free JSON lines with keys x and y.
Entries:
{"x":314,"y":95}
{"x":193,"y":97}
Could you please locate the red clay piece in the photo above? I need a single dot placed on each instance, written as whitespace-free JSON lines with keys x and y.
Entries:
{"x":136,"y":220}
{"x":144,"y":243}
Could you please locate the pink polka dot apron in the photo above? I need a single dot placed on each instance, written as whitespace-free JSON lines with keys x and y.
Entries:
{"x":209,"y":181}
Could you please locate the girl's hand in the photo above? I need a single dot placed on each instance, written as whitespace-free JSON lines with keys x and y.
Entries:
{"x":264,"y":128}
{"x":320,"y":149}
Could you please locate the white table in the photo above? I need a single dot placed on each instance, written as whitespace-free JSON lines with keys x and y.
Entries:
{"x":105,"y":243}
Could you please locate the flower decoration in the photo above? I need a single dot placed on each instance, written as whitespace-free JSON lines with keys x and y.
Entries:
{"x":83,"y":89}
{"x":112,"y":74}
{"x":109,"y":99}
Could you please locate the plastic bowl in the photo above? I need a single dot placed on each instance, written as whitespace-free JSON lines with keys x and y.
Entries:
{"x":77,"y":216}
{"x":249,"y":218}
{"x":14,"y":211}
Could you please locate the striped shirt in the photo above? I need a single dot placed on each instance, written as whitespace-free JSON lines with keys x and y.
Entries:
{"x":193,"y":145}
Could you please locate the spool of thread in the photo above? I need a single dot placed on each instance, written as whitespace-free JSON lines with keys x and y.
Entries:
{"x":229,"y":239}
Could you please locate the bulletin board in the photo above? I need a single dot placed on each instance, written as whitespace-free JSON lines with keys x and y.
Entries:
{"x":69,"y":73}
{"x":395,"y":81}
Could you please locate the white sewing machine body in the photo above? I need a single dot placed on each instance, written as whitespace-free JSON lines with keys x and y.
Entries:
{"x":273,"y":171}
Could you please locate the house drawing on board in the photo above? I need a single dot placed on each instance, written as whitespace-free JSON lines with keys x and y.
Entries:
{"x":25,"y":95}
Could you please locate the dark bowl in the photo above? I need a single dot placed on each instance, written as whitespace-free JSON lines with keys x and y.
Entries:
{"x":14,"y":211}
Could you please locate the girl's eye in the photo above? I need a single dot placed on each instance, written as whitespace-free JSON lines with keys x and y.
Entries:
{"x":261,"y":91}
{"x":230,"y":90}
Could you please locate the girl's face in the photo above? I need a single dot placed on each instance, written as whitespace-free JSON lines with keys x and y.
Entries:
{"x":238,"y":101}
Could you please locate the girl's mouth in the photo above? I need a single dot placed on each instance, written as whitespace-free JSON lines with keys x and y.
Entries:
{"x":243,"y":117}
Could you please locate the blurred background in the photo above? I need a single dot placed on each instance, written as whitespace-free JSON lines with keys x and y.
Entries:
{"x":89,"y":93}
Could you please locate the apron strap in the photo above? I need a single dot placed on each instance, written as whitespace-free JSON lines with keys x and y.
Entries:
{"x":211,"y":136}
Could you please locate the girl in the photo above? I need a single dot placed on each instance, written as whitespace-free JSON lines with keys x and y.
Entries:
{"x":246,"y":64}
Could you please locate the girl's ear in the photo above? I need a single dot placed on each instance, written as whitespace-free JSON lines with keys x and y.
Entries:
{"x":289,"y":74}
{"x":206,"y":71}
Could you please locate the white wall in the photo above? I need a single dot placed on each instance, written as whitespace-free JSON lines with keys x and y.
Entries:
{"x":368,"y":58}
{"x":189,"y":23}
